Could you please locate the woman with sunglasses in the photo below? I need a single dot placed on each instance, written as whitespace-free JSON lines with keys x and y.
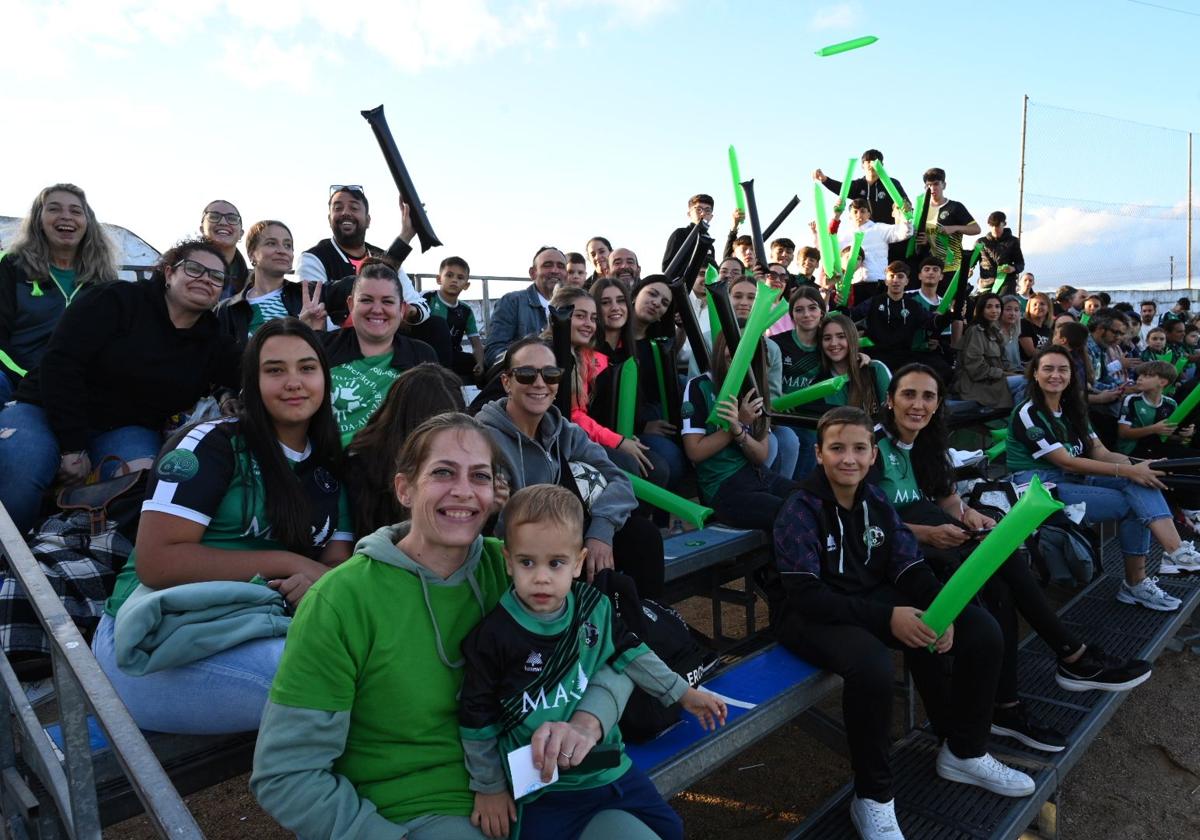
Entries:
{"x":913,"y":469}
{"x":124,"y":359}
{"x":268,"y":294}
{"x":59,"y":250}
{"x":542,"y":447}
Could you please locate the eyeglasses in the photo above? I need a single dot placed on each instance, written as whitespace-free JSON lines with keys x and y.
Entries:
{"x":527,"y":375}
{"x":228,"y":218}
{"x":195,"y":270}
{"x":337,"y":188}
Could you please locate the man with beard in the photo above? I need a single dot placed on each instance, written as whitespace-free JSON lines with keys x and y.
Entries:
{"x":334,"y":262}
{"x":624,"y":266}
{"x":525,"y":312}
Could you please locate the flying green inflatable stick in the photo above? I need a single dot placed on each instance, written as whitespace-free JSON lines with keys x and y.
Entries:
{"x":886,"y":180}
{"x":841,"y":205}
{"x":846,"y":46}
{"x":812,"y":393}
{"x":739,"y":197}
{"x":1026,"y":515}
{"x":627,"y":397}
{"x":685,"y":509}
{"x":964,"y":264}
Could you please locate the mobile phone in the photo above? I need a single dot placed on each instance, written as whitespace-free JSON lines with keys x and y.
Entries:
{"x":600,"y":757}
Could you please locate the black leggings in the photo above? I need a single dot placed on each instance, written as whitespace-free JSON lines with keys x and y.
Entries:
{"x":638,"y":552}
{"x":960,"y":708}
{"x":1011,"y":590}
{"x":752,"y":497}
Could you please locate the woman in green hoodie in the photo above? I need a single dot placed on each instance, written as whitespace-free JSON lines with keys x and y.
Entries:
{"x":360,"y":738}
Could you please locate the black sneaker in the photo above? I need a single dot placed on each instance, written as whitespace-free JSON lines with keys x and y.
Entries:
{"x":1101,"y":672}
{"x":1017,"y":722}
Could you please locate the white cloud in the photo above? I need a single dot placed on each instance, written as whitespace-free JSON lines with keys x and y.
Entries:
{"x":840,"y":16}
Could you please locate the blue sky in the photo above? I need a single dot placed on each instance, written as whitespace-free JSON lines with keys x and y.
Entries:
{"x":550,"y":122}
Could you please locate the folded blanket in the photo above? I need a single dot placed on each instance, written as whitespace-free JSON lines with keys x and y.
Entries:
{"x":157,"y":629}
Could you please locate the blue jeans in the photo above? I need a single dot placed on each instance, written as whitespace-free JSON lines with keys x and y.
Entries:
{"x":671,"y":454}
{"x":224,"y":693}
{"x":1016,"y":387}
{"x":568,"y":813}
{"x":806,"y":461}
{"x":29,"y":457}
{"x":787,"y":446}
{"x":1110,"y":499}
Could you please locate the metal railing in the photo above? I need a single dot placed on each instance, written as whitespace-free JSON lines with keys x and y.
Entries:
{"x":42,"y":795}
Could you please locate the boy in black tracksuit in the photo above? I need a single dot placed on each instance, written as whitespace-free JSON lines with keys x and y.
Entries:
{"x":893,"y":319}
{"x":855,"y":585}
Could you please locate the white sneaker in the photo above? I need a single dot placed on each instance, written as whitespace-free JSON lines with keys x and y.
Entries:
{"x":1193,"y":517}
{"x":985,"y":772}
{"x":1147,"y":594}
{"x":1166,"y":567}
{"x":1185,"y":558}
{"x":875,"y":820}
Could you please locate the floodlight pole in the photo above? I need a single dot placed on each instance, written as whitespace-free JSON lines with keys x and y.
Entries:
{"x":1021,"y":180}
{"x":1189,"y":214}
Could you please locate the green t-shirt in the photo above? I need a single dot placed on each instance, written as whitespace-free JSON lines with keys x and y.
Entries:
{"x":920,"y":342}
{"x":697,"y":403}
{"x":1033,"y":434}
{"x":459,"y":318}
{"x":364,"y":641}
{"x":266,"y":308}
{"x":880,"y":376}
{"x":801,"y":362}
{"x":1137,"y":413}
{"x":65,"y":278}
{"x":206,"y":475}
{"x":358,"y":389}
{"x":893,"y":473}
{"x":521,"y":673}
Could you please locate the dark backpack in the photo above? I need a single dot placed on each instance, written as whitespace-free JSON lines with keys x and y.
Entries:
{"x":666,"y":633}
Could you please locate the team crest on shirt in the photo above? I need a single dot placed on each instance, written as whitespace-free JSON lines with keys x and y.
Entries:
{"x":178,"y":465}
{"x":873,"y":537}
{"x":533,"y":662}
{"x":893,"y":459}
{"x":1035,"y":433}
{"x":325,"y":480}
{"x":589,"y":634}
{"x":687,"y":409}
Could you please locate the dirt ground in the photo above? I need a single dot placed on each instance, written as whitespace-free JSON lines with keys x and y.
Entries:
{"x":1140,"y":779}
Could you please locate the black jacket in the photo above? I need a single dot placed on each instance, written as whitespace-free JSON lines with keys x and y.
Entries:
{"x":116,"y":360}
{"x":829,"y":558}
{"x":892,"y":324}
{"x":29,"y":311}
{"x":675,"y":240}
{"x":341,"y":347}
{"x":877,"y":197}
{"x":997,"y":252}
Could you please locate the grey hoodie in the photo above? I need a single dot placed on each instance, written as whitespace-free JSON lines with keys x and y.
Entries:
{"x":538,"y":462}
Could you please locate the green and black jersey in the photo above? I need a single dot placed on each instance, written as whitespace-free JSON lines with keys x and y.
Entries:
{"x":521,"y":672}
{"x":801,"y":362}
{"x":1034,"y":433}
{"x":893,"y":471}
{"x":206,"y":474}
{"x":698,"y":401}
{"x":1137,"y":413}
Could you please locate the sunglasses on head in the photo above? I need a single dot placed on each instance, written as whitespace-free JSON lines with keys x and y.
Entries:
{"x":337,"y":188}
{"x":527,"y":375}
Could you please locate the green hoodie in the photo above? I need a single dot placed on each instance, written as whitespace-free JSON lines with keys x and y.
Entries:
{"x":361,"y":731}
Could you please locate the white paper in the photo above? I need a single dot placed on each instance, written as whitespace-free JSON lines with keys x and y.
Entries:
{"x":525,"y":777}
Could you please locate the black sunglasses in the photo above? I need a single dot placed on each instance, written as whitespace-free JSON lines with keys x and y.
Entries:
{"x":527,"y":375}
{"x":337,"y":188}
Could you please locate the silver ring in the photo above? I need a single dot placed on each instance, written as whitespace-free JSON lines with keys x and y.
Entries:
{"x":567,"y":755}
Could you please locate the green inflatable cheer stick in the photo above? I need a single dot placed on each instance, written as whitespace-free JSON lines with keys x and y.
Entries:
{"x":714,"y":323}
{"x":739,"y":196}
{"x":814,"y":392}
{"x":952,"y":289}
{"x":627,"y":397}
{"x":1026,"y":515}
{"x":897,"y":199}
{"x":999,"y":434}
{"x":848,"y":277}
{"x":1184,"y":408}
{"x":1085,"y":318}
{"x":865,"y":342}
{"x":762,"y":314}
{"x":823,"y":236}
{"x":846,"y":46}
{"x":841,"y":205}
{"x":996,"y":451}
{"x":685,"y":509}
{"x":918,"y":213}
